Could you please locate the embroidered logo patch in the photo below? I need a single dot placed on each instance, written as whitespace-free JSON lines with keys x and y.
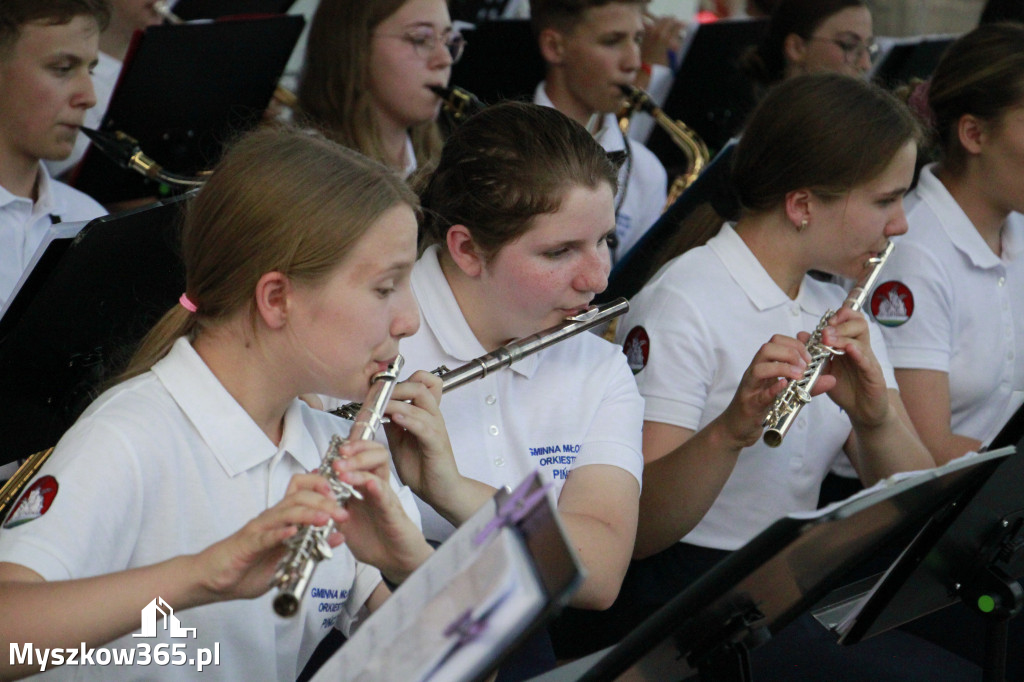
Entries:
{"x":637,"y":348}
{"x":34,"y":502}
{"x":892,"y":304}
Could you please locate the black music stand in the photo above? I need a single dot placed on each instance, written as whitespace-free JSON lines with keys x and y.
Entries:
{"x":709,"y":94}
{"x":190,"y":10}
{"x":757,"y":590}
{"x":909,"y":58}
{"x":975,"y":557}
{"x":184,"y":91}
{"x":502,"y":62}
{"x":78,"y":317}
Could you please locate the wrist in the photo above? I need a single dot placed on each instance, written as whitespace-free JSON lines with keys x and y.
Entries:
{"x":418,"y":552}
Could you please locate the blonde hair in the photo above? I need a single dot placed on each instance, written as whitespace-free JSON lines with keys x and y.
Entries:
{"x":280,"y":200}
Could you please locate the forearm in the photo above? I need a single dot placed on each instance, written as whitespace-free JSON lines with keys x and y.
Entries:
{"x":948,"y":446}
{"x":889,"y":447}
{"x":93,"y":611}
{"x":604,"y":551}
{"x":458,"y":500}
{"x":680,"y":487}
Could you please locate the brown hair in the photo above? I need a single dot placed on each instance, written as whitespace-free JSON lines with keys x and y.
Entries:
{"x":765,"y":63}
{"x":333,"y":91}
{"x":564,"y":15}
{"x":825,"y":132}
{"x":16,"y":13}
{"x":279,"y":200}
{"x":505,"y":165}
{"x":982,"y":74}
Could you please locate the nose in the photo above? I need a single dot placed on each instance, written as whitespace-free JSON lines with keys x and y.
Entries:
{"x":406,"y":319}
{"x":863,"y":63}
{"x":631,"y":60}
{"x":84,"y":95}
{"x":442,"y":57}
{"x":898,"y":225}
{"x":592,"y":275}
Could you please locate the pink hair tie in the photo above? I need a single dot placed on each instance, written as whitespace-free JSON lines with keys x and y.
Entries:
{"x":187,"y":303}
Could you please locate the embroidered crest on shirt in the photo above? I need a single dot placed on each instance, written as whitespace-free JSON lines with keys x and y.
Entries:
{"x":892,"y":304}
{"x":34,"y":502}
{"x":637,"y":348}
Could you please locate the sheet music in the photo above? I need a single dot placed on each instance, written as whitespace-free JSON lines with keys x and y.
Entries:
{"x":492,"y":589}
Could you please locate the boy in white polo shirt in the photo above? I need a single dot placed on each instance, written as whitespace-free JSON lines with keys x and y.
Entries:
{"x":47,"y":50}
{"x":591,"y":48}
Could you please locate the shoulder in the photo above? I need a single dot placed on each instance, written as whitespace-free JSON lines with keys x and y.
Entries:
{"x":647,"y":162}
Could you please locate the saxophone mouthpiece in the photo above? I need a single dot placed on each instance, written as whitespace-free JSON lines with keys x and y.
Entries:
{"x":458,"y":102}
{"x":117,"y":146}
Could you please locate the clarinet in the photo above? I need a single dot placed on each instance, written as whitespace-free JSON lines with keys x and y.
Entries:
{"x":514,"y":351}
{"x":309,"y":546}
{"x":798,"y":392}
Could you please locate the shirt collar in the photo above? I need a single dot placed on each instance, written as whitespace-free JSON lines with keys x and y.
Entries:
{"x":754,"y":280}
{"x":610,"y":141}
{"x":442,"y":314}
{"x":49,"y":202}
{"x":226,"y":428}
{"x":954,"y":221}
{"x":410,"y":158}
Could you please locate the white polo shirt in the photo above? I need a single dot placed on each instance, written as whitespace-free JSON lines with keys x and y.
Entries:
{"x":167,"y":464}
{"x":570,"y":405}
{"x":950,"y":304}
{"x":24,"y":223}
{"x":642,"y":178}
{"x":691,"y":334}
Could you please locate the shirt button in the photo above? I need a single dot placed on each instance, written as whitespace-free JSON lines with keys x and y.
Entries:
{"x":493,"y":430}
{"x":1002,"y":281}
{"x":800,"y":423}
{"x":490,"y":400}
{"x":499,"y":461}
{"x":795,"y":312}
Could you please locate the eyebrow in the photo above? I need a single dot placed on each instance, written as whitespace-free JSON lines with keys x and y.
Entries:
{"x":428,"y":24}
{"x":854,"y":35}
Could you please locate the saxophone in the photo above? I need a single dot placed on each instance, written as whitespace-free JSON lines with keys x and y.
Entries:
{"x":514,"y":351}
{"x":797,"y":393}
{"x":309,"y":546}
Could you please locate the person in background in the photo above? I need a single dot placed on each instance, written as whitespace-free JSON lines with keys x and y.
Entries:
{"x":367,"y":78}
{"x":591,"y":49}
{"x":950,"y":304}
{"x":126,"y":17}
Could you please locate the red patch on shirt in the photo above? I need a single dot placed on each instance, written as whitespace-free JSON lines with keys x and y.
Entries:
{"x":34,"y":502}
{"x":637,"y":348}
{"x":892,"y":304}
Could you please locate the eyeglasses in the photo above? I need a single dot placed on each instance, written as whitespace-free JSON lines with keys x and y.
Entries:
{"x":853,"y":50}
{"x":424,"y":41}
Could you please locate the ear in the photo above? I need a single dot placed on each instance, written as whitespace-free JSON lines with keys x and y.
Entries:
{"x":799,"y":207}
{"x":794,"y":48}
{"x":972,"y":133}
{"x":273,"y":297}
{"x":464,"y":252}
{"x":552,"y":45}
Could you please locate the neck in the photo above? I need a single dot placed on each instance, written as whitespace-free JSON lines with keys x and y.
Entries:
{"x":393,"y":137}
{"x":20,"y":176}
{"x":244,"y":367}
{"x":554,"y":88}
{"x":473,"y":304}
{"x":776,"y":245}
{"x":987,"y":217}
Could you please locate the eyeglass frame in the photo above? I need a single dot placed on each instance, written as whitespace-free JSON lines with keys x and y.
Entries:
{"x":425,"y":47}
{"x":852,"y":49}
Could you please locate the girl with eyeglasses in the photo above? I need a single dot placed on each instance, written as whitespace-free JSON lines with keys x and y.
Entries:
{"x":369,"y":68}
{"x":807,"y":36}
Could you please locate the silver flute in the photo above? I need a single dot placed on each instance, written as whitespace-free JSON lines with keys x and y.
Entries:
{"x":798,"y":392}
{"x":309,"y":546}
{"x":514,"y":351}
